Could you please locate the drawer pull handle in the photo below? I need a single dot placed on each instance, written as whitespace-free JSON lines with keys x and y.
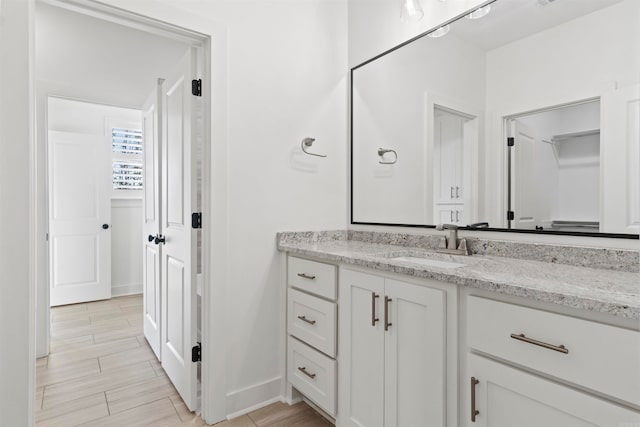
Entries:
{"x":304,"y":371}
{"x":306,"y":276}
{"x":387,"y":300}
{"x":304,"y":319}
{"x":374,"y":319}
{"x":474,"y":411}
{"x":522,"y":337}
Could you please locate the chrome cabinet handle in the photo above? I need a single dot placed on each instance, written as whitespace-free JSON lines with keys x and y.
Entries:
{"x":387,"y":300}
{"x":451,"y":215}
{"x":559,"y":348}
{"x":303,"y":369}
{"x":374,"y":319}
{"x":306,"y":276}
{"x":457,"y":216}
{"x":304,"y":319}
{"x":474,"y":411}
{"x":451,"y":192}
{"x":457,"y":192}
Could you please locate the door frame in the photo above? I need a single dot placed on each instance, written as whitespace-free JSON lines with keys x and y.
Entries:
{"x":169,"y":21}
{"x":506,"y":164}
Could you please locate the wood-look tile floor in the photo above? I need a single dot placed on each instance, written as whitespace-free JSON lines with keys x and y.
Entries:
{"x":102,"y":372}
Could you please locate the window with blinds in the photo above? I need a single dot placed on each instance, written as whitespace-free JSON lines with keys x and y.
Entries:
{"x":127,"y":175}
{"x":126,"y":148}
{"x":126,"y":141}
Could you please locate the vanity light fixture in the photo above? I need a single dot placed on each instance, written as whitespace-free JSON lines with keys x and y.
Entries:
{"x":411,"y":11}
{"x":442,"y":31}
{"x":479,"y":13}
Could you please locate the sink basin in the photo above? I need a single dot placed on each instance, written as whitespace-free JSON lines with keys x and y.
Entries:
{"x":428,"y":262}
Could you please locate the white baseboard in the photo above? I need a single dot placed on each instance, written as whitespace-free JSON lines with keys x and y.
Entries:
{"x":128,"y":289}
{"x":249,"y":399}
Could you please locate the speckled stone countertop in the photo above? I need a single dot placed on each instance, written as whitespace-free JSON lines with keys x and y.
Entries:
{"x":600,"y":290}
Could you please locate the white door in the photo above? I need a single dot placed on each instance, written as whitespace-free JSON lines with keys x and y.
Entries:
{"x":178,"y":253}
{"x":361,"y":350}
{"x":415,"y":370}
{"x":508,"y":397}
{"x":448,"y":153}
{"x":620,"y":148}
{"x":151,"y":131}
{"x":79,"y":218}
{"x":524,"y":197}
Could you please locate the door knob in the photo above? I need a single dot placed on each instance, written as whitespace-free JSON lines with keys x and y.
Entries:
{"x":160,"y":239}
{"x":151,"y":237}
{"x":105,"y":226}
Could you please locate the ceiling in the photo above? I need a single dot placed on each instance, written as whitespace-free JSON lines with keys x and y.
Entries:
{"x":92,"y":59}
{"x":511,"y":20}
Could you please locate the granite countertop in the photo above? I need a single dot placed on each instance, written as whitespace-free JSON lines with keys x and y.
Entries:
{"x":598,"y":290}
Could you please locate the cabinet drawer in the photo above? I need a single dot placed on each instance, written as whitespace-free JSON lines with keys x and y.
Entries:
{"x":313,"y":374}
{"x":312,"y":276}
{"x":312,"y":320}
{"x":601,"y":357}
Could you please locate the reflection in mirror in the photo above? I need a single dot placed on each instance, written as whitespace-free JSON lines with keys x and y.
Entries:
{"x":555,"y":169}
{"x":561,"y":79}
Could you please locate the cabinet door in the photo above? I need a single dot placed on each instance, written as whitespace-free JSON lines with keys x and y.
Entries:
{"x":415,"y":371}
{"x":507,"y":397}
{"x":361,"y":350}
{"x":449,"y":214}
{"x":448,"y":153}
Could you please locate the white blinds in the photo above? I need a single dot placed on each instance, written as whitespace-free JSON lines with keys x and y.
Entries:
{"x":126,"y":141}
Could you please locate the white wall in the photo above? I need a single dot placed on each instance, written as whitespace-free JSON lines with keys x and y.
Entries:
{"x":17,"y":385}
{"x":559,"y":76}
{"x":287,"y":80}
{"x":126,"y":246}
{"x":375,"y":26}
{"x":103,"y":61}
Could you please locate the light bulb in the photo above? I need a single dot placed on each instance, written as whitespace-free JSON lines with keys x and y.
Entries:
{"x":442,"y":31}
{"x":480,"y":12}
{"x":411,"y":11}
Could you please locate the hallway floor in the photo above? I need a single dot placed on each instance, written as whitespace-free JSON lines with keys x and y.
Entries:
{"x":102,"y":372}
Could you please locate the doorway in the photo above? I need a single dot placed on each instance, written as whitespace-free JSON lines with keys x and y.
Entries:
{"x":93,"y":59}
{"x":555,"y":168}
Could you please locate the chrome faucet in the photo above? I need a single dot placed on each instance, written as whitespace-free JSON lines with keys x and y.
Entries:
{"x":452,"y":245}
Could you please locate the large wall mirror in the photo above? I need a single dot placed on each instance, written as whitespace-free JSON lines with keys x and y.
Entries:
{"x":526,"y":118}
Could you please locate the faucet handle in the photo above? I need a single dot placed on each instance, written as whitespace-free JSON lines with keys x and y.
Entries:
{"x":441,"y":227}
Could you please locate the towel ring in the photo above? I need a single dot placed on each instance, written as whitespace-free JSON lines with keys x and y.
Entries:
{"x":383,"y":151}
{"x":308,"y":142}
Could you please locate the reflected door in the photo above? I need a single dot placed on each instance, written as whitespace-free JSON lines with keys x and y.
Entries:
{"x":79,"y":218}
{"x":523,"y":185}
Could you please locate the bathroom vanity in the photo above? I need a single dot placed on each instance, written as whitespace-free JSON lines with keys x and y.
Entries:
{"x":385,"y":331}
{"x":527,"y":121}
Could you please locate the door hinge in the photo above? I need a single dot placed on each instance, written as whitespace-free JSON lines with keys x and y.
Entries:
{"x":196,"y":220}
{"x":511,"y":141}
{"x":196,"y":353}
{"x":196,"y":87}
{"x":510,"y":216}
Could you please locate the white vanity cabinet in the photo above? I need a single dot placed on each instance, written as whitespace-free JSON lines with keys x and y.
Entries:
{"x":508,"y":397}
{"x":311,"y":326}
{"x":537,"y":368}
{"x":392,"y":352}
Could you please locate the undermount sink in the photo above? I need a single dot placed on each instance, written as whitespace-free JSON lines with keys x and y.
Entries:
{"x":428,"y":262}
